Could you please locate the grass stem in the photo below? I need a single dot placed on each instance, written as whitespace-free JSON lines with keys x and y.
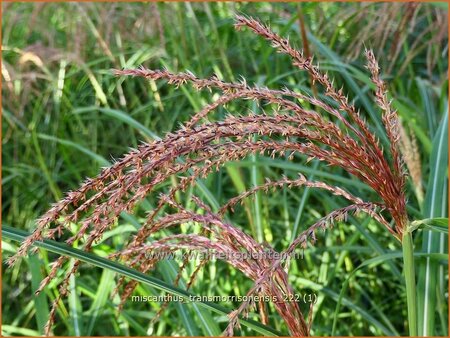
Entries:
{"x":410,"y":281}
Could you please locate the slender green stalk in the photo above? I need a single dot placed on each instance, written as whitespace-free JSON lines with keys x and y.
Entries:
{"x":410,"y":281}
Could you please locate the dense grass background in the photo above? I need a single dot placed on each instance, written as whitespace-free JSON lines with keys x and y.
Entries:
{"x":64,"y":116}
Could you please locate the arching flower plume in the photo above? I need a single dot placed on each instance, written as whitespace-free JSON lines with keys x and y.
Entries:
{"x":299,"y":123}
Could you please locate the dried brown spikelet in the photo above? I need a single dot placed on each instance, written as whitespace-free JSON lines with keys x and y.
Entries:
{"x":411,"y":155}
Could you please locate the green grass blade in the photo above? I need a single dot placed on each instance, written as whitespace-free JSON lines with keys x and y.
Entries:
{"x":372,"y":240}
{"x":40,"y":301}
{"x":371,"y":263}
{"x":301,"y":206}
{"x":436,"y":195}
{"x":439,"y":224}
{"x":10,"y":330}
{"x":347,"y":302}
{"x":257,"y":206}
{"x":100,"y":159}
{"x":239,"y":183}
{"x":207,"y":323}
{"x":169,"y":272}
{"x":307,"y":170}
{"x":75,"y":307}
{"x":429,"y":108}
{"x":100,"y":299}
{"x":443,"y":5}
{"x":121,"y":116}
{"x":42,"y":163}
{"x":410,"y":281}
